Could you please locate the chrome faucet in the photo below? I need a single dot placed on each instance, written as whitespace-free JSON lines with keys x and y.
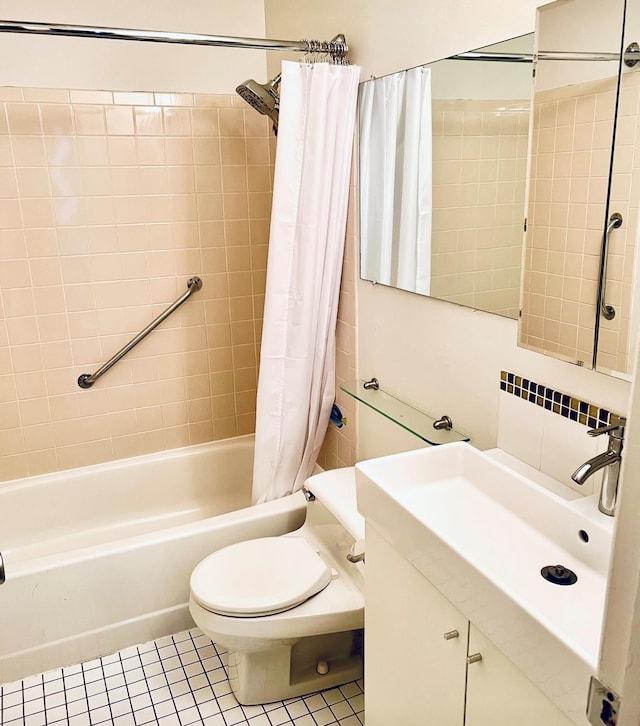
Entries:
{"x":609,"y":460}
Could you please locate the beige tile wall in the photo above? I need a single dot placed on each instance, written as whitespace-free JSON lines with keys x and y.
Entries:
{"x":340,"y":444}
{"x":479,"y":168}
{"x":572,"y":132}
{"x":109,"y":203}
{"x":617,"y":336}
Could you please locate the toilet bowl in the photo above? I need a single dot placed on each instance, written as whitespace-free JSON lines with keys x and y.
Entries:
{"x":289,"y":609}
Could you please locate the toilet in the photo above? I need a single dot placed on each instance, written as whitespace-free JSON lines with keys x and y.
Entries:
{"x":290,"y":609}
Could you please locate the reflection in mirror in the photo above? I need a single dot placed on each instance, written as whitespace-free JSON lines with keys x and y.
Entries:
{"x":395,"y":179}
{"x":573,"y":116}
{"x":617,"y":333}
{"x":443,"y":151}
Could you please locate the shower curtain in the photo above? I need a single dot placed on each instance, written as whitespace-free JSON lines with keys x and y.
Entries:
{"x":396,"y":180}
{"x":296,"y":385}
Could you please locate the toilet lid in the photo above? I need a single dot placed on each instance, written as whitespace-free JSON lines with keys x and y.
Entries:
{"x":259,"y":577}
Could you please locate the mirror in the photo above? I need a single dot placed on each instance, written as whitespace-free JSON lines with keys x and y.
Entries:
{"x":568,"y":284}
{"x":443,"y":150}
{"x":617,"y":335}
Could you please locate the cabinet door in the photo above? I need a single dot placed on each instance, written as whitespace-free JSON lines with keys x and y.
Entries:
{"x":413,"y":676}
{"x":498,"y":694}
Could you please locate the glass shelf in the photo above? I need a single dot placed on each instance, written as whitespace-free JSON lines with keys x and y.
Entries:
{"x":413,"y":420}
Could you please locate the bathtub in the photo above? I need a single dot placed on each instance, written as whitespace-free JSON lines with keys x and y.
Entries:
{"x":99,"y":558}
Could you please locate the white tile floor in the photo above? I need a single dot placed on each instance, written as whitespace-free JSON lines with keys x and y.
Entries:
{"x":174,"y":681}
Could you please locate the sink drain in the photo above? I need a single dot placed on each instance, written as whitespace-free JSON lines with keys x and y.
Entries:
{"x":559,"y":575}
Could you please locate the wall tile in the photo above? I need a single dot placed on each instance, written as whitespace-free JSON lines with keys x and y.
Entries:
{"x":583,"y":154}
{"x":24,"y":118}
{"x":109,"y":202}
{"x":520,"y":430}
{"x":475,"y":206}
{"x":547,"y":429}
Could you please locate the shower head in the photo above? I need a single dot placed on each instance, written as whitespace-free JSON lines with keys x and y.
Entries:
{"x":263,"y":97}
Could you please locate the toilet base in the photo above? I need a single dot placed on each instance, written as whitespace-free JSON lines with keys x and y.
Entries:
{"x":286,"y":671}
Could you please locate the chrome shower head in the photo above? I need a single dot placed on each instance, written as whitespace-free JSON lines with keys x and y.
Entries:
{"x":263,"y":97}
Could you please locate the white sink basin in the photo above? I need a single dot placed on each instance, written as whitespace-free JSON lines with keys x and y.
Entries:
{"x":481,"y":531}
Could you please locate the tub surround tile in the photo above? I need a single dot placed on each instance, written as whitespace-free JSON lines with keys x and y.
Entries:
{"x":339,"y":448}
{"x":110,"y":202}
{"x":178,"y":679}
{"x":151,"y":187}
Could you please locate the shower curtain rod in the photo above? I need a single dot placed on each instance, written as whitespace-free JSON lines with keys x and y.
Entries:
{"x":631,"y":56}
{"x":336,"y":47}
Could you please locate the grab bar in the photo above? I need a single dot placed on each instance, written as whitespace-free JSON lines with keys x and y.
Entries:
{"x":3,"y":575}
{"x":607,"y":311}
{"x":86,"y":380}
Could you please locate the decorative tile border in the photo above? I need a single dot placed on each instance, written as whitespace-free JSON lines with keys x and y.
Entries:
{"x":556,"y":401}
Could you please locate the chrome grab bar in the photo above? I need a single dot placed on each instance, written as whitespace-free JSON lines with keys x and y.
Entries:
{"x":86,"y":380}
{"x":607,"y":311}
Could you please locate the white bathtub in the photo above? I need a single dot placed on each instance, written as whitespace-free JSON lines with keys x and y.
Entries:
{"x":100,"y":558}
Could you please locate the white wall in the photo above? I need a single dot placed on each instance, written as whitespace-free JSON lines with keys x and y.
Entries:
{"x":123,"y":65}
{"x":447,"y":359}
{"x":578,"y":25}
{"x":385,"y":37}
{"x":436,"y":355}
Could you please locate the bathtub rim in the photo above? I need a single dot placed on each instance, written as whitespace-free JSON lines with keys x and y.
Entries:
{"x":162,"y":618}
{"x":29,"y":566}
{"x":25,"y":482}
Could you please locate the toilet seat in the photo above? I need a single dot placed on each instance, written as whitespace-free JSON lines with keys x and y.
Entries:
{"x":259,"y":577}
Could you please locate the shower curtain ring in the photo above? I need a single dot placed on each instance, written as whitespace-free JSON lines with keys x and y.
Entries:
{"x":305,"y":54}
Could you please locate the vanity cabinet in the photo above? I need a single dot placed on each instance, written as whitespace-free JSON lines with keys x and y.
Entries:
{"x":412,"y":674}
{"x":498,"y":694}
{"x":416,"y":649}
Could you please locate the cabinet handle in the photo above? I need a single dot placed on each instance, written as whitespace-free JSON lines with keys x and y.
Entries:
{"x":474,"y":658}
{"x":451,"y":634}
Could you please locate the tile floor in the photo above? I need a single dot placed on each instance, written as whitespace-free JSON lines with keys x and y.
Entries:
{"x":174,"y":681}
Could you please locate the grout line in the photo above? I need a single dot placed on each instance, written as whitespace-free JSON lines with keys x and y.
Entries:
{"x":196,"y":704}
{"x":204,"y":670}
{"x":64,"y":691}
{"x":171,"y":669}
{"x":126,"y":685}
{"x":164,"y":671}
{"x":106,"y":692}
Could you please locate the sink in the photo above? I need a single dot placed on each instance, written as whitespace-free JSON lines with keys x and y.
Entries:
{"x":481,"y":531}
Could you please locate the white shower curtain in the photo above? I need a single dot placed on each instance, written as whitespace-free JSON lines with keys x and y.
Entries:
{"x":396,"y":180}
{"x":296,"y":385}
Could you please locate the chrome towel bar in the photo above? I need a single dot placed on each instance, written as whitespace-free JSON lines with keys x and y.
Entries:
{"x":86,"y":380}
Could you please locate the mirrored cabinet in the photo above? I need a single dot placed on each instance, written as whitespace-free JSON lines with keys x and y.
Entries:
{"x":484,"y":189}
{"x":617,"y":334}
{"x":578,"y":266}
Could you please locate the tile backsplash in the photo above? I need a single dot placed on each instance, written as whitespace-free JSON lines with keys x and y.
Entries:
{"x":547,"y":428}
{"x":556,"y":401}
{"x":109,"y":203}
